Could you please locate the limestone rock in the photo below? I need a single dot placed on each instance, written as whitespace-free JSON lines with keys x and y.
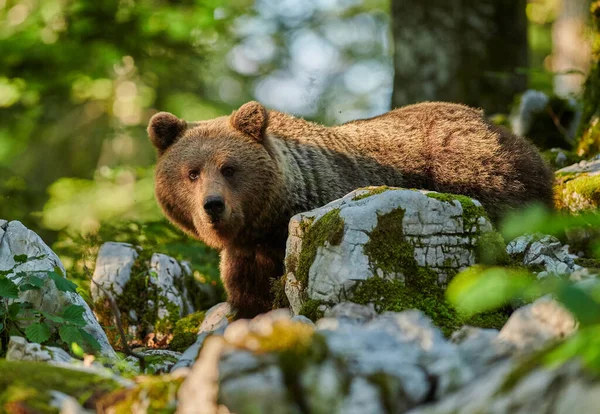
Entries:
{"x":393,"y":234}
{"x":533,"y":326}
{"x":17,"y":240}
{"x":150,"y":299}
{"x":544,"y":251}
{"x":21,"y":350}
{"x":564,"y":390}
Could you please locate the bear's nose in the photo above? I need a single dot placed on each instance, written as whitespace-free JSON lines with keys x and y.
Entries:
{"x":214,"y":206}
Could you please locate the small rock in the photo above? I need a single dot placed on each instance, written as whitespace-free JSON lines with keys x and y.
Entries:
{"x":531,"y":327}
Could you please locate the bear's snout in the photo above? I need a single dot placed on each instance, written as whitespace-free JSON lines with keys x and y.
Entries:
{"x":214,"y":207}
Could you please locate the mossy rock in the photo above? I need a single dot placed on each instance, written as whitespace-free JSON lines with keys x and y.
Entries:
{"x":25,"y":386}
{"x":394,"y":248}
{"x":157,"y":394}
{"x":577,"y":192}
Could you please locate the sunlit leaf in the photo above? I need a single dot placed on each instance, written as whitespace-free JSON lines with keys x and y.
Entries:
{"x":478,"y":289}
{"x":581,"y":304}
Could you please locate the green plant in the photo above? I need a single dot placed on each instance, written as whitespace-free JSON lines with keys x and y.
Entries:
{"x":481,"y":289}
{"x":64,"y":328}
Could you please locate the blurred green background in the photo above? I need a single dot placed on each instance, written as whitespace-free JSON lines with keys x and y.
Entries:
{"x":80,"y":79}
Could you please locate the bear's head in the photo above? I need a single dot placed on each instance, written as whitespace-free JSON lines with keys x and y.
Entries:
{"x":215,"y":179}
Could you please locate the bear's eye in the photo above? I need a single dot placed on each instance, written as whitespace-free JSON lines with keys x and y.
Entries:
{"x":227,"y":171}
{"x":193,"y":175}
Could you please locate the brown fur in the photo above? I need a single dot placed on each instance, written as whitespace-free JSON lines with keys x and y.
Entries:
{"x":294,"y":166}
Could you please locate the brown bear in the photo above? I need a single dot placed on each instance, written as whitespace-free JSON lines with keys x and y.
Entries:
{"x":235,"y":181}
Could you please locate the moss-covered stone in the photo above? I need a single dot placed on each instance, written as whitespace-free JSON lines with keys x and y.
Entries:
{"x":418,"y":287}
{"x":157,"y":394}
{"x":577,"y":192}
{"x":371,"y":191}
{"x":328,"y":229}
{"x":25,"y":386}
{"x":185,"y":332}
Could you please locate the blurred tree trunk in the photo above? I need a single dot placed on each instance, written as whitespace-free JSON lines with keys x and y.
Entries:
{"x":589,"y":130}
{"x":461,"y":51}
{"x":570,"y":47}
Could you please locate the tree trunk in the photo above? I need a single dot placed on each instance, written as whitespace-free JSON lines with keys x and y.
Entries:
{"x":589,"y":130}
{"x":464,"y":51}
{"x":570,"y":47}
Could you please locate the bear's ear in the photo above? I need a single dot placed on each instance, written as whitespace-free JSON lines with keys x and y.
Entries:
{"x":251,"y":119}
{"x":164,"y":129}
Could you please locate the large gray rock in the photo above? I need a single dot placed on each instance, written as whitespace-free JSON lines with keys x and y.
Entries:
{"x":332,"y":248}
{"x":16,"y":239}
{"x":504,"y":389}
{"x":393,"y":361}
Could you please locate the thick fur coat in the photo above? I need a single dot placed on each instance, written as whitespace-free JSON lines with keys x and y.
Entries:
{"x":235,"y":181}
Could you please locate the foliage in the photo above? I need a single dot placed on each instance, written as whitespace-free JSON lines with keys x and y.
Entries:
{"x":63,"y":328}
{"x":480,"y":289}
{"x":78,"y":251}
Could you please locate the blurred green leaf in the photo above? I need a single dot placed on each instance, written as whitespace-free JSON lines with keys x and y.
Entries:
{"x":478,"y":289}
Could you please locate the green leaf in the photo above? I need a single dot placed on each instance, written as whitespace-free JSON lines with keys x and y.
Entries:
{"x":70,"y":334}
{"x":477,"y":289}
{"x":93,"y":342}
{"x":14,"y":309}
{"x":53,"y":318}
{"x":28,"y":286}
{"x":36,"y":281}
{"x":20,"y":258}
{"x":74,"y":315}
{"x":583,"y":306}
{"x":61,"y":283}
{"x":38,"y":332}
{"x":8,"y":289}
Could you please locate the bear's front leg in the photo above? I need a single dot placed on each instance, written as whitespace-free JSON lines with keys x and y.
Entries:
{"x":247,"y":278}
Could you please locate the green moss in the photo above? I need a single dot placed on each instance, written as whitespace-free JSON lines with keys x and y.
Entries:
{"x":280,"y":299}
{"x":328,"y":229}
{"x":584,"y":185}
{"x":186,"y":331}
{"x":371,"y":191}
{"x":471,"y":211}
{"x":310,"y":309}
{"x":421,"y":292}
{"x":25,"y":386}
{"x":388,"y":250}
{"x":491,"y":249}
{"x":160,"y":393}
{"x":489,"y":320}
